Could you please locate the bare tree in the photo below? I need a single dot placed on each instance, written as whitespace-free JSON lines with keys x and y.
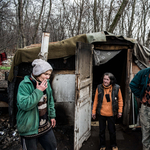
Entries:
{"x":109,"y":15}
{"x":7,"y":37}
{"x":148,"y":40}
{"x":129,"y":34}
{"x":95,"y":16}
{"x":67,"y":18}
{"x":80,"y":10}
{"x":48,"y":16}
{"x":102,"y":14}
{"x":37,"y":23}
{"x":146,"y":8}
{"x":21,"y":24}
{"x":118,"y":15}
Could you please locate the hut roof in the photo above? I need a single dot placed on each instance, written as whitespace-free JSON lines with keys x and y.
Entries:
{"x":67,"y":48}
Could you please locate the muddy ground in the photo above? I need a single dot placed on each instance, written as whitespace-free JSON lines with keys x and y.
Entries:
{"x":10,"y":139}
{"x":127,"y":139}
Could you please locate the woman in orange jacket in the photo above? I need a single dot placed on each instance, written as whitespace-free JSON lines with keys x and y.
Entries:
{"x":108,"y":103}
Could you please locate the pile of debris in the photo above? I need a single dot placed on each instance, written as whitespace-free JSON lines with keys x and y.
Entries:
{"x":5,"y":67}
{"x":9,"y":137}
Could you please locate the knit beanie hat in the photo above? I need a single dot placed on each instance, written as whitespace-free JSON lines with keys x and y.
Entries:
{"x":40,"y":66}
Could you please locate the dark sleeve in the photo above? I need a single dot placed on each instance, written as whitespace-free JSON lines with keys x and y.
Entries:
{"x":52,"y":113}
{"x":135,"y":85}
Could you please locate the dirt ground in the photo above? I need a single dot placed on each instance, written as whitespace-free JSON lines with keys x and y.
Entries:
{"x":10,"y":139}
{"x":127,"y":139}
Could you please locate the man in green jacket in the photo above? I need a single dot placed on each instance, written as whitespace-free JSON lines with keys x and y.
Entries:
{"x":36,"y":112}
{"x":140,"y":86}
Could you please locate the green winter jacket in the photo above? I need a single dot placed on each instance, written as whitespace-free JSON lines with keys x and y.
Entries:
{"x":28,"y":114}
{"x":139,"y":83}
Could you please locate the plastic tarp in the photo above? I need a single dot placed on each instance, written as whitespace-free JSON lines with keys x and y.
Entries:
{"x":60,"y":49}
{"x":142,"y":54}
{"x":101,"y":57}
{"x":67,"y":48}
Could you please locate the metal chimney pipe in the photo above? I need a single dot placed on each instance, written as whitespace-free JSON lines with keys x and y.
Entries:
{"x":44,"y":46}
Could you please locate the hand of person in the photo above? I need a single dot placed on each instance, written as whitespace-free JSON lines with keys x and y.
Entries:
{"x":94,"y":116}
{"x":42,"y":86}
{"x":119,"y":115}
{"x":53,"y":122}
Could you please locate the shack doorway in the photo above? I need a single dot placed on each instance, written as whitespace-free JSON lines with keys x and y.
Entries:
{"x":117,"y":66}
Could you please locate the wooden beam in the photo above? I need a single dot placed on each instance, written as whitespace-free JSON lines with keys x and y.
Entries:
{"x":112,"y":40}
{"x":110,"y":47}
{"x":126,"y":113}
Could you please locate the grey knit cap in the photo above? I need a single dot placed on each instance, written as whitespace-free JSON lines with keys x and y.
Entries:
{"x":40,"y":66}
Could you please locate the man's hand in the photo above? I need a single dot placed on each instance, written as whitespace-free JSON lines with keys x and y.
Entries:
{"x":119,"y":115}
{"x":42,"y":86}
{"x":94,"y":116}
{"x":53,"y":122}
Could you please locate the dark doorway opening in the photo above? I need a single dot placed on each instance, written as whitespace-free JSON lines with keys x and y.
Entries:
{"x":117,"y":66}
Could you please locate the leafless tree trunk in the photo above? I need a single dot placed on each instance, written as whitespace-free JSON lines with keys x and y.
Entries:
{"x":148,"y":40}
{"x":72,"y":24}
{"x":118,"y":15}
{"x":102,"y":15}
{"x":38,"y":22}
{"x":109,"y":15}
{"x":122,"y":24}
{"x":138,"y":30}
{"x":129,"y":34}
{"x":145,"y":11}
{"x":21,"y":29}
{"x":80,"y":9}
{"x":48,"y":17}
{"x":94,"y":15}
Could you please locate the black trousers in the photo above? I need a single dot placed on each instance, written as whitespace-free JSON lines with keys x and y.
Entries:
{"x":47,"y":141}
{"x":111,"y":129}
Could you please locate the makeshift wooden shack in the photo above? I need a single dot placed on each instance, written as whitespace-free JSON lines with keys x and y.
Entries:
{"x":79,"y":63}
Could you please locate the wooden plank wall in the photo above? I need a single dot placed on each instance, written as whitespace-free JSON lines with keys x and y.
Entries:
{"x":126,"y":112}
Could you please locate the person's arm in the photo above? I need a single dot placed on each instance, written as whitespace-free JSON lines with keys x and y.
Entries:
{"x":120,"y":104}
{"x":27,"y":98}
{"x":135,"y":85}
{"x":53,"y":123}
{"x":95,"y":104}
{"x":52,"y":114}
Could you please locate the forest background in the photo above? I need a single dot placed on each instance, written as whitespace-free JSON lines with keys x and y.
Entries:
{"x":23,"y":21}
